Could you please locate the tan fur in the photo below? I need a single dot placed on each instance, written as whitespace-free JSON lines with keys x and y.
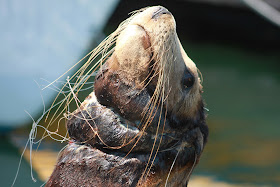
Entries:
{"x":131,"y":54}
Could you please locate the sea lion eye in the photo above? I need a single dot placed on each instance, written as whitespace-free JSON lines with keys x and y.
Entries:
{"x":187,"y":80}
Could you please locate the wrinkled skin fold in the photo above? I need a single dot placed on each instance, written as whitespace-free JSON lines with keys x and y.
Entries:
{"x":144,"y":123}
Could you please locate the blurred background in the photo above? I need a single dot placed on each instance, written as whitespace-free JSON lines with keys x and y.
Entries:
{"x":234,"y":43}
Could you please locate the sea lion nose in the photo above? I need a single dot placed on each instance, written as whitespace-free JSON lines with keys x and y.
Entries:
{"x":159,"y":11}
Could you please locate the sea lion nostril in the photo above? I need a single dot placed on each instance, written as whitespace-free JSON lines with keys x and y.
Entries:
{"x":160,"y":11}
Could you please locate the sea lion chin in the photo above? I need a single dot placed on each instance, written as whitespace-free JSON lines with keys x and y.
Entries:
{"x":144,"y":124}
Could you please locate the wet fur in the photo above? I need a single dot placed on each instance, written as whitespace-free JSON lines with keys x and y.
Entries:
{"x":140,"y":120}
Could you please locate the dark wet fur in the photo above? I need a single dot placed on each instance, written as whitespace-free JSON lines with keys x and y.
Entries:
{"x":88,"y":162}
{"x":91,"y":166}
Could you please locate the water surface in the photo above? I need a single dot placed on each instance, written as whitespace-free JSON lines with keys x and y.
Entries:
{"x":241,"y":89}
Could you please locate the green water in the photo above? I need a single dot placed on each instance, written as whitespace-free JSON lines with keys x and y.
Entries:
{"x":241,"y":89}
{"x":9,"y":160}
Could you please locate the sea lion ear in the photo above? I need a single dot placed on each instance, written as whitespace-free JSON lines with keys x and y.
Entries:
{"x":133,"y":53}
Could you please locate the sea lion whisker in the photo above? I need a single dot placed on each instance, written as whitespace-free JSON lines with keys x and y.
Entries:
{"x":172,"y":165}
{"x":200,"y":76}
{"x":55,"y":115}
{"x":151,"y":114}
{"x":172,"y":147}
{"x":68,"y":70}
{"x":150,"y":110}
{"x":158,"y":144}
{"x":65,"y":84}
{"x":78,"y":117}
{"x":94,"y":67}
{"x":33,"y":135}
{"x":147,"y":120}
{"x":44,"y":113}
{"x":59,"y":104}
{"x":160,"y":138}
{"x":166,"y":97}
{"x":75,"y":87}
{"x":153,"y":146}
{"x":129,"y":150}
{"x":153,"y":98}
{"x":58,"y":123}
{"x":138,"y":135}
{"x":94,"y":53}
{"x":100,"y":138}
{"x":150,"y":77}
{"x":84,"y":118}
{"x":97,"y":134}
{"x":194,"y":163}
{"x":132,"y":13}
{"x":56,"y":89}
{"x":94,"y":130}
{"x":77,"y":101}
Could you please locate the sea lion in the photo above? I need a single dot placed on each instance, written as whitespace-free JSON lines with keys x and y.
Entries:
{"x":144,"y":123}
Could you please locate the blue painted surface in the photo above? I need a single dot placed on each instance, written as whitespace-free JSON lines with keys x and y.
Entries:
{"x":42,"y":39}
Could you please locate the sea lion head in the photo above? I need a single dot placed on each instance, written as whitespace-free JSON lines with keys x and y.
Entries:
{"x":149,"y":54}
